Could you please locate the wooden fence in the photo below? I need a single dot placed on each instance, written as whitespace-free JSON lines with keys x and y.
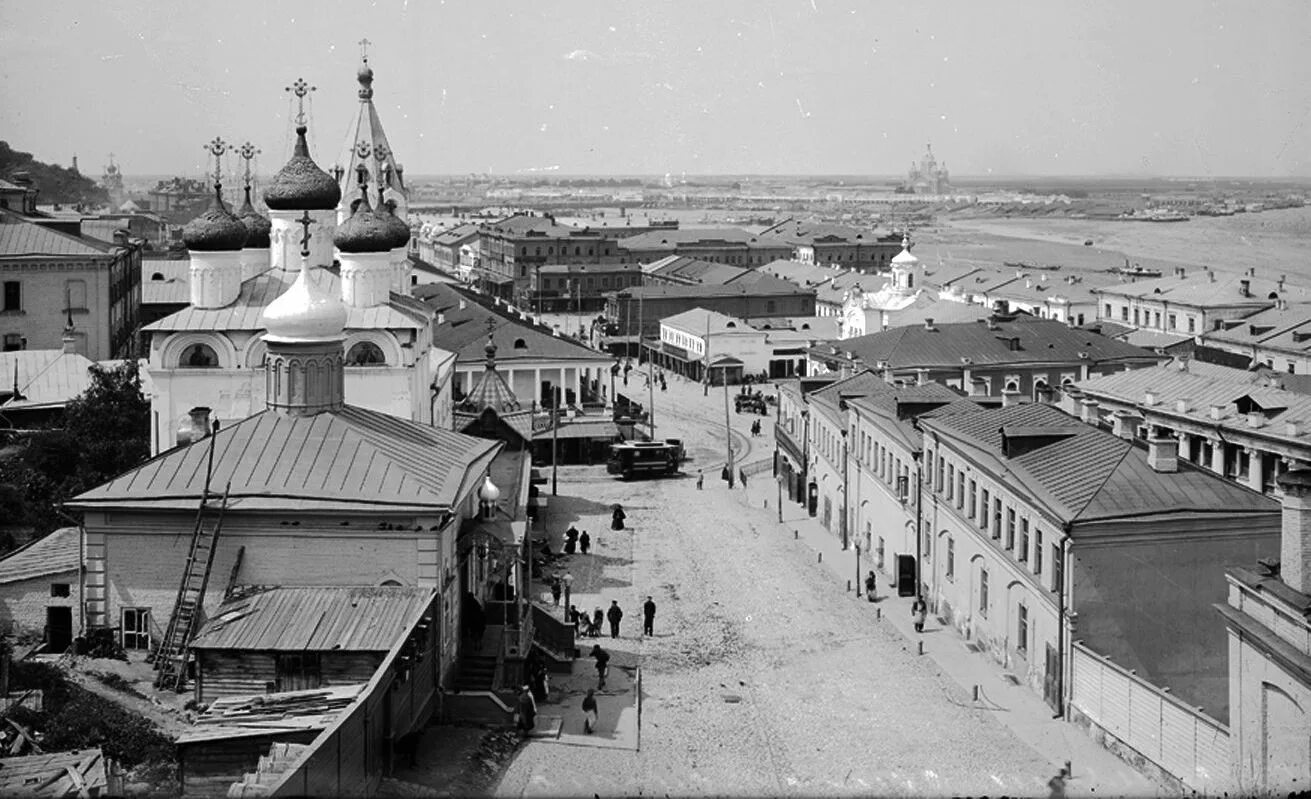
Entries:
{"x":1181,"y":740}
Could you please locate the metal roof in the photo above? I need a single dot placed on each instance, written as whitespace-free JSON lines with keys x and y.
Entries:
{"x":315,"y":619}
{"x":19,"y":237}
{"x":352,"y":459}
{"x":173,"y":287}
{"x":399,"y":312}
{"x":1203,"y":289}
{"x":46,"y":378}
{"x":699,"y":320}
{"x":1038,"y":341}
{"x":57,"y":553}
{"x":581,"y":428}
{"x":1080,"y":473}
{"x":464,"y":332}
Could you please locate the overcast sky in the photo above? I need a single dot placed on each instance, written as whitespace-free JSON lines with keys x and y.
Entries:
{"x":1003,"y":87}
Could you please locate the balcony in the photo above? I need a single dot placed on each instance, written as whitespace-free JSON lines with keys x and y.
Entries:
{"x":788,"y":444}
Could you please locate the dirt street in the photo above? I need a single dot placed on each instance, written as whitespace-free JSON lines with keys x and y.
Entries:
{"x":764,"y":677}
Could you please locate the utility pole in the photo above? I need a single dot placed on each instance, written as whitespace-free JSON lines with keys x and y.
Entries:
{"x":706,"y":390}
{"x":555,"y":438}
{"x":650,"y":392}
{"x":728,"y":435}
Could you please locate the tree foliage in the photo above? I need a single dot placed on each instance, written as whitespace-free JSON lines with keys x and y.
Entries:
{"x":104,"y":432}
{"x":57,"y":184}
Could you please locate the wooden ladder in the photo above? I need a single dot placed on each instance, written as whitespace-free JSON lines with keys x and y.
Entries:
{"x":171,"y":658}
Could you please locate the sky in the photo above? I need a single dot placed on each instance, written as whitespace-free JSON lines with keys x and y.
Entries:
{"x":1002,"y":88}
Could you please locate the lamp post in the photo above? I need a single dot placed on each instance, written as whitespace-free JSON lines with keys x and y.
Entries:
{"x":728,"y":435}
{"x":779,"y":481}
{"x":858,"y":570}
{"x":568,"y":580}
{"x":555,"y":438}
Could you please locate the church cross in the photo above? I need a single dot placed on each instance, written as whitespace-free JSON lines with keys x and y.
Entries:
{"x":247,"y":152}
{"x":364,"y":49}
{"x":217,"y":147}
{"x":300,"y":88}
{"x":305,"y":221}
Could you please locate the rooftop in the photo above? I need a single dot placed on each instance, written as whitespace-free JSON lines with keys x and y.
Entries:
{"x":463,"y":330}
{"x":1203,"y":289}
{"x":1078,"y":473}
{"x":699,"y":321}
{"x":81,"y":772}
{"x":45,"y":378}
{"x":782,"y":287}
{"x":57,"y":553}
{"x":270,"y":714}
{"x":19,"y":237}
{"x":352,"y":460}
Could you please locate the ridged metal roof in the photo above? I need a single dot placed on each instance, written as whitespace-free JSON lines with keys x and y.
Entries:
{"x":352,"y":459}
{"x":20,"y":237}
{"x":315,"y":619}
{"x":45,"y":377}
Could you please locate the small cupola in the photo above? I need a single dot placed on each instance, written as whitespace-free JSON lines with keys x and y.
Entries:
{"x":301,"y":185}
{"x":217,"y":229}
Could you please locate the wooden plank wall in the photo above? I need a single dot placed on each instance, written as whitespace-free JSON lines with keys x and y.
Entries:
{"x":1180,"y":739}
{"x":209,"y":767}
{"x":233,"y":673}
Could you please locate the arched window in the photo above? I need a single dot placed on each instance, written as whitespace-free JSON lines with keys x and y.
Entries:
{"x":520,"y":344}
{"x":157,"y":276}
{"x":199,"y":356}
{"x":365,"y":353}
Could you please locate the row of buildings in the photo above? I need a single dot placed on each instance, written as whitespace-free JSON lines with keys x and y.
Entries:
{"x":1069,"y":507}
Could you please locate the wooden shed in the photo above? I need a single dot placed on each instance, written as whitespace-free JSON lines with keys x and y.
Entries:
{"x":302,"y":638}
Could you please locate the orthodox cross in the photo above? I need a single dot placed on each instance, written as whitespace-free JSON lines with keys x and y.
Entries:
{"x":364,"y":49}
{"x":247,"y":152}
{"x":305,"y":221}
{"x":300,"y":88}
{"x":217,"y":148}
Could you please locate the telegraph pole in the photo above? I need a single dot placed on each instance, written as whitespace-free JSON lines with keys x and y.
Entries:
{"x":555,"y":438}
{"x":728,"y":435}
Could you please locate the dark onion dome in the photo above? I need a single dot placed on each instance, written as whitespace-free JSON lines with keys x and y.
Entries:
{"x":366,"y":230}
{"x":301,"y":185}
{"x":397,"y":229}
{"x":216,"y":230}
{"x":257,"y":225}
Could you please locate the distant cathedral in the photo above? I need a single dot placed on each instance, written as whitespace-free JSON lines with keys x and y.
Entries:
{"x":928,"y":177}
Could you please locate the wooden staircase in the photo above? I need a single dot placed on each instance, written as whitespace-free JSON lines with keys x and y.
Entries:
{"x":477,"y":673}
{"x":171,"y":657}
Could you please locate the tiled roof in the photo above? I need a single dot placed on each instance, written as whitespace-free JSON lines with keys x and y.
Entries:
{"x":348,"y":460}
{"x":315,"y":619}
{"x":19,"y":237}
{"x":1039,"y":341}
{"x":59,"y":552}
{"x":400,"y":312}
{"x":1079,"y":473}
{"x":45,"y":377}
{"x":888,"y":401}
{"x":1203,"y":385}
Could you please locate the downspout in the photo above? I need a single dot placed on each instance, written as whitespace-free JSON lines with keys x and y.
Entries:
{"x":1061,"y":633}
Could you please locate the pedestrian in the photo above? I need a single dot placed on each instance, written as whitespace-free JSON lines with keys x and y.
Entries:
{"x":648,"y":617}
{"x":527,"y":711}
{"x":570,"y":541}
{"x":602,"y":665}
{"x":871,"y":586}
{"x":614,"y":614}
{"x":574,"y":617}
{"x":597,"y":619}
{"x":541,"y":682}
{"x":700,"y":479}
{"x":555,"y":591}
{"x":918,"y":611}
{"x":584,"y":542}
{"x":589,"y":711}
{"x":617,"y":518}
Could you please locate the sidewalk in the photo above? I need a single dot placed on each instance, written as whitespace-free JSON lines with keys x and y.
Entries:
{"x":1096,"y":771}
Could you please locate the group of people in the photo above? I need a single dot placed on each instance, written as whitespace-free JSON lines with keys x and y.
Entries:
{"x":573,"y":540}
{"x":755,"y":428}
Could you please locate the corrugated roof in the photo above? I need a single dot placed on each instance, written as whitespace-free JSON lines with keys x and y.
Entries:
{"x":1038,"y":341}
{"x":18,"y":237}
{"x":349,"y":459}
{"x":46,"y":378}
{"x":59,"y":552}
{"x":315,"y":619}
{"x":400,"y":312}
{"x":1081,"y":474}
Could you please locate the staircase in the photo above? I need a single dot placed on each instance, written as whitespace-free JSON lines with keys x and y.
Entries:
{"x":171,"y":658}
{"x":477,"y":673}
{"x":270,"y":770}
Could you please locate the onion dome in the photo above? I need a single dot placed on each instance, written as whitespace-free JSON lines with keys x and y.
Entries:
{"x":366,"y":230}
{"x":305,"y":312}
{"x":365,"y":77}
{"x":216,"y":230}
{"x":904,"y":257}
{"x":488,"y":492}
{"x":397,"y":229}
{"x":301,"y":185}
{"x":257,"y":225}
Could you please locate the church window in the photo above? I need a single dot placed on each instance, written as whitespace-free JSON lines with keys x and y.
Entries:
{"x":199,"y":356}
{"x":365,"y":353}
{"x":520,"y":344}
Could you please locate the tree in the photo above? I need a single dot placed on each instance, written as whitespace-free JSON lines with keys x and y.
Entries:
{"x":105,"y":432}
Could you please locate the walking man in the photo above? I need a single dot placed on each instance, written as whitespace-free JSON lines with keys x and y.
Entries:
{"x":614,"y":614}
{"x":556,"y":588}
{"x":584,"y":542}
{"x":648,"y":617}
{"x":602,"y":665}
{"x":589,"y":711}
{"x":527,"y":711}
{"x":871,"y":587}
{"x":700,"y":479}
{"x":919,"y":609}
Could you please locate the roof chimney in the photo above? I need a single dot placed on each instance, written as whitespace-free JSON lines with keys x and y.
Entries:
{"x":1181,"y":406}
{"x":1010,"y":397}
{"x":1216,"y":412}
{"x":1245,"y":287}
{"x":1089,"y":413}
{"x":195,"y":427}
{"x":978,"y":387}
{"x":69,"y":341}
{"x":1163,"y":454}
{"x":1295,"y":534}
{"x":1293,"y":428}
{"x":928,"y":323}
{"x":1125,"y":424}
{"x":921,"y":377}
{"x":1149,"y":397}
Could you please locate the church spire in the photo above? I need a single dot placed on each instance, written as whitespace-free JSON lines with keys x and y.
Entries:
{"x":366,"y":144}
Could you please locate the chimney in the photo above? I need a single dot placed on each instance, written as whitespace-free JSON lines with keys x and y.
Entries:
{"x":69,"y":341}
{"x":1181,"y":406}
{"x":1045,"y":395}
{"x":1293,"y":428}
{"x":1149,"y":397}
{"x":921,"y":377}
{"x":886,"y":368}
{"x":928,"y":323}
{"x":1210,"y":275}
{"x":195,"y":427}
{"x":1163,"y":454}
{"x":1089,"y":414}
{"x":1245,"y":287}
{"x":1124,"y":424}
{"x":1216,"y":412}
{"x":463,"y":305}
{"x":978,"y":387}
{"x":1295,"y":534}
{"x":1256,"y":419}
{"x":441,"y":317}
{"x":1010,"y":397}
